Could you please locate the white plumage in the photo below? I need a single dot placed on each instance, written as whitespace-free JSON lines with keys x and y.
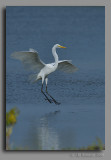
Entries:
{"x":31,"y":61}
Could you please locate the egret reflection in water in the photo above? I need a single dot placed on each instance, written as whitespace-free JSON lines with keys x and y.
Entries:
{"x":48,"y":136}
{"x":42,"y":135}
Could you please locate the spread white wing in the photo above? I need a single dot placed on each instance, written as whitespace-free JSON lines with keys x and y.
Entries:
{"x":66,"y":66}
{"x":30,"y":59}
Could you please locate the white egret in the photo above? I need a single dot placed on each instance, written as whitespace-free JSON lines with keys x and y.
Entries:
{"x":32,"y":61}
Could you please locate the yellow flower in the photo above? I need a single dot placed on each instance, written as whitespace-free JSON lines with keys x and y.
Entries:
{"x":12,"y":118}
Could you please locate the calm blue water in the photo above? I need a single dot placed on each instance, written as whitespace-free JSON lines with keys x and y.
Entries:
{"x":81,"y":116}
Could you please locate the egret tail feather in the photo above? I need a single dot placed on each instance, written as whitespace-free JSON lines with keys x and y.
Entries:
{"x":33,"y":78}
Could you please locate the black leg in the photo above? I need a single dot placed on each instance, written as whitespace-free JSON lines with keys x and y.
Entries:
{"x":52,"y":97}
{"x":45,"y":94}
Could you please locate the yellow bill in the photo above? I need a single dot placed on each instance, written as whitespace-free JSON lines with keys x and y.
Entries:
{"x":61,"y":46}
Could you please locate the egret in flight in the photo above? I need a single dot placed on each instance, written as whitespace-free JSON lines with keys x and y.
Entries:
{"x":31,"y":61}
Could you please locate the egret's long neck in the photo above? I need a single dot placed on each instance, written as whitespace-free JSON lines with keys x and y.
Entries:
{"x":55,"y":57}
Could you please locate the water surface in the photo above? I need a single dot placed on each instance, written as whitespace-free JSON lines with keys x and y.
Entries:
{"x":80,"y":117}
